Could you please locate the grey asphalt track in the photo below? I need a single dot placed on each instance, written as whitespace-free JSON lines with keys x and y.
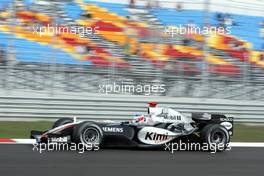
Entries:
{"x":21,"y":160}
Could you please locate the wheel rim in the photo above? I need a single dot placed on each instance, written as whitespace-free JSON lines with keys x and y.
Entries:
{"x":218,"y":137}
{"x":90,"y":136}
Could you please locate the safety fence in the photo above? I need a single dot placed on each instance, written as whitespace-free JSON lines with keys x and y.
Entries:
{"x":119,"y":107}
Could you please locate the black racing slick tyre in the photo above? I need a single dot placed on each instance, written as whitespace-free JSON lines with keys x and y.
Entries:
{"x":216,"y":137}
{"x":88,"y":134}
{"x":62,"y":121}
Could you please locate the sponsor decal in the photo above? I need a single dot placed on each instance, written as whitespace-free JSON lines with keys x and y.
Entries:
{"x":227,"y":125}
{"x":226,"y":119}
{"x":59,"y":139}
{"x":155,"y":136}
{"x":172,"y":117}
{"x":206,"y":115}
{"x":113,"y":129}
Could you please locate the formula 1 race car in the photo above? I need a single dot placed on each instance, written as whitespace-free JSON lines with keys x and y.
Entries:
{"x":159,"y":127}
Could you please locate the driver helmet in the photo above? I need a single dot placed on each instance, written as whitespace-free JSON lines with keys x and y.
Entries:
{"x":139,"y":118}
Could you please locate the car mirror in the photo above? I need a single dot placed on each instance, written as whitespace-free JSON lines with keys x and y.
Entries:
{"x":165,"y":111}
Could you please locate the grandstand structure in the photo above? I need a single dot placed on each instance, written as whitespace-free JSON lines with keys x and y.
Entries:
{"x":130,"y":47}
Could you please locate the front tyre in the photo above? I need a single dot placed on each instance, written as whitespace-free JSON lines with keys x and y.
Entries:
{"x":88,"y":134}
{"x":216,"y":137}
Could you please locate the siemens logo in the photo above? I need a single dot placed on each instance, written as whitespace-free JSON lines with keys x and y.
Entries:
{"x":155,"y":136}
{"x":113,"y":129}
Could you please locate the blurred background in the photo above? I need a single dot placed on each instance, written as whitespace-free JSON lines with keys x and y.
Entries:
{"x":134,"y":45}
{"x":48,"y":75}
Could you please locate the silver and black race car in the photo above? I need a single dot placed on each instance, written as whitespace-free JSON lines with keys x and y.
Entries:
{"x":142,"y":131}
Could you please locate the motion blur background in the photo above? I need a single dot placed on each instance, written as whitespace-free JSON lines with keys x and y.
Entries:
{"x":133,"y":46}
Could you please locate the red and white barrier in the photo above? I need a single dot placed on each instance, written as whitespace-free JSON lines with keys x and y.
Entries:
{"x":247,"y":144}
{"x":16,"y":141}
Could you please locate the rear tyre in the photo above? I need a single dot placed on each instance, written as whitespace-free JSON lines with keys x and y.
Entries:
{"x":216,"y":137}
{"x":88,"y":134}
{"x":62,"y":121}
